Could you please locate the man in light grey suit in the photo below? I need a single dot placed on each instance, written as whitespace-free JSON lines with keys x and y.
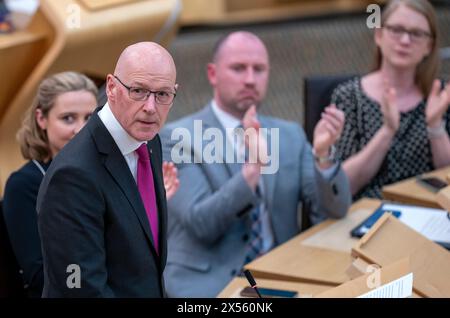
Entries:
{"x":225,"y":213}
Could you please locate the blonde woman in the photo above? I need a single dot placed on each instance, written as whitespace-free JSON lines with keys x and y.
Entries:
{"x":63,"y":104}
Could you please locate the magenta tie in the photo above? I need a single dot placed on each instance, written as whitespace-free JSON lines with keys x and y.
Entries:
{"x":147,"y":190}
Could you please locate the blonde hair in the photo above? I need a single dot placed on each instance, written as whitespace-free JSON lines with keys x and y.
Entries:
{"x":428,"y":68}
{"x":32,"y":139}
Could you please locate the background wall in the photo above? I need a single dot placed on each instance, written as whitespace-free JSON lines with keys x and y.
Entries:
{"x":298,"y":48}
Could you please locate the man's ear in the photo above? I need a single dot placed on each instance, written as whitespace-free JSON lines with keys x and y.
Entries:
{"x":377,"y":36}
{"x":211,"y":72}
{"x":111,"y":87}
{"x":41,"y":119}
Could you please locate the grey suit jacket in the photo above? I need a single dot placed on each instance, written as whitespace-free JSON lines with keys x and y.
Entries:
{"x":209,"y":224}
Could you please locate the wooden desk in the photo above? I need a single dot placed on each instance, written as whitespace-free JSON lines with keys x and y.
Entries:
{"x":304,"y":290}
{"x":296,"y":262}
{"x":308,"y":270}
{"x":408,"y":191}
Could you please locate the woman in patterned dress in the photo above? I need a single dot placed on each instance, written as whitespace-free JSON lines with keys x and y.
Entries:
{"x":397,"y":120}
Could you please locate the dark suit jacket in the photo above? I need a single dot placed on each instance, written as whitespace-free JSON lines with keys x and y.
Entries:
{"x":90,"y":214}
{"x":20,"y":216}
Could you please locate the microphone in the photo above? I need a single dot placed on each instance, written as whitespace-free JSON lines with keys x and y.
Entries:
{"x":252,"y":282}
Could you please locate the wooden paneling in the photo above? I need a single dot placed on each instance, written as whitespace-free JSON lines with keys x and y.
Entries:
{"x":104,"y":4}
{"x":239,"y":11}
{"x":20,"y":52}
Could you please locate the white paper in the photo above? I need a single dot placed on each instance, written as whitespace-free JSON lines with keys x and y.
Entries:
{"x":434,"y":224}
{"x":399,"y":288}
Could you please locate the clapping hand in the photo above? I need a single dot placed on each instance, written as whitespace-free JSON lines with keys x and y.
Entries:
{"x":437,"y":104}
{"x":389,"y":108}
{"x":171,"y":182}
{"x":328,"y":130}
{"x":254,"y":141}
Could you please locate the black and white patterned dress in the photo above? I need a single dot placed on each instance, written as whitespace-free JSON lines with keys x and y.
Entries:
{"x":410,"y":152}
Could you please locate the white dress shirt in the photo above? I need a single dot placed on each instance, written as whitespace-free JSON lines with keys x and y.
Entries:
{"x":127,"y":144}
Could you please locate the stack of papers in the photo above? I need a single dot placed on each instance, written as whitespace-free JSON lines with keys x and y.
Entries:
{"x":434,"y":224}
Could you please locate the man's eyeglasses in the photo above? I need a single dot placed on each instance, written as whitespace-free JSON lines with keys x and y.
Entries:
{"x":416,"y":35}
{"x":142,"y":94}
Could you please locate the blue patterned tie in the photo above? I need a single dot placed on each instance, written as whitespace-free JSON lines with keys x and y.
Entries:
{"x":255,"y":246}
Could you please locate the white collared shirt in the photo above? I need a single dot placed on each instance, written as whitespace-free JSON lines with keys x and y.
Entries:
{"x":228,"y":121}
{"x":127,"y":144}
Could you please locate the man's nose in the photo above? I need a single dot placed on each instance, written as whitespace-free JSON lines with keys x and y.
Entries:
{"x":250,"y":76}
{"x":150,"y":103}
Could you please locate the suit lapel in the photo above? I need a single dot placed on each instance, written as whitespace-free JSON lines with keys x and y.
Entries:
{"x":210,"y":120}
{"x":116,"y":165}
{"x":124,"y":179}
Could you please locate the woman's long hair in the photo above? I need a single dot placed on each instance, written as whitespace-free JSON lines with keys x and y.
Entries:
{"x":32,"y":139}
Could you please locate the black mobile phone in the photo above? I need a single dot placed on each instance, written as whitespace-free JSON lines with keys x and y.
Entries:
{"x":432,"y":183}
{"x":268,"y":293}
{"x":365,"y":226}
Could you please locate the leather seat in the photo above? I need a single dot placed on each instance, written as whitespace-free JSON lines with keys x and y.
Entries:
{"x":317,"y":95}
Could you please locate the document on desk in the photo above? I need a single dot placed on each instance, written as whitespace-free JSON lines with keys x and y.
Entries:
{"x":434,"y":224}
{"x":399,"y":288}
